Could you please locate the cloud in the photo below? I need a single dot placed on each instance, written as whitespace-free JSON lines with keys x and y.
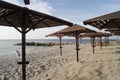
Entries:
{"x":12,"y":1}
{"x":41,"y":6}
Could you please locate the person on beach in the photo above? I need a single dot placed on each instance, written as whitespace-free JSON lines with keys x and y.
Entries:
{"x":18,"y":53}
{"x":19,"y":57}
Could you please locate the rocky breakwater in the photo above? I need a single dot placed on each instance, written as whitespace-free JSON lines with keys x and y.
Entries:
{"x":41,"y":44}
{"x":37,"y":44}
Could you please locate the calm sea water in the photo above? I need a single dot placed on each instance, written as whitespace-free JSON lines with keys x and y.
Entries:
{"x":8,"y":47}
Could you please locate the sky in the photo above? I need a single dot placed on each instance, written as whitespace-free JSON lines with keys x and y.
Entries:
{"x":75,"y":11}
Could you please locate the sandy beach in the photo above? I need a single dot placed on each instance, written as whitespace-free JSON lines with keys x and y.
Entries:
{"x":47,"y":64}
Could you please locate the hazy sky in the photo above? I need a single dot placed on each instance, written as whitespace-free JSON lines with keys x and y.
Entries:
{"x":74,"y":11}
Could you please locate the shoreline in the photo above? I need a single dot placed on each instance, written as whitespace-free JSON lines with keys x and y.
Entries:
{"x":47,"y":64}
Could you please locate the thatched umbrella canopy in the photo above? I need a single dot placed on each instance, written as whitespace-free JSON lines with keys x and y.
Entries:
{"x":117,"y":33}
{"x":95,"y":34}
{"x":75,"y":31}
{"x":60,"y":37}
{"x":55,"y":34}
{"x":23,"y":20}
{"x":111,"y":20}
{"x":113,"y":30}
{"x":92,"y":35}
{"x":11,"y":15}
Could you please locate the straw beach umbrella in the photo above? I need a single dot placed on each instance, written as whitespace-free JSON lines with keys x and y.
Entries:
{"x":107,"y":35}
{"x":100,"y":35}
{"x":111,"y":20}
{"x":115,"y":31}
{"x":93,"y":35}
{"x":75,"y":31}
{"x":24,"y":20}
{"x":60,"y":38}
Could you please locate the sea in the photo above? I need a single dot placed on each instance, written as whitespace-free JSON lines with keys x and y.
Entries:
{"x":7,"y":46}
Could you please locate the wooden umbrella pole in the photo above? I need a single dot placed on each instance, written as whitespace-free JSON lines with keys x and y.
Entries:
{"x":93,"y":44}
{"x":101,"y":42}
{"x":77,"y":47}
{"x":23,"y":57}
{"x":106,"y":40}
{"x":23,"y":46}
{"x":60,"y":37}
